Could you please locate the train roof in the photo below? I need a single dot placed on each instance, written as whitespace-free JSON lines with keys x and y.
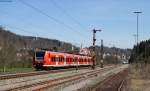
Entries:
{"x":66,"y":54}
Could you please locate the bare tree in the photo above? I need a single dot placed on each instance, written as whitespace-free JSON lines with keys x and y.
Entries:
{"x":7,"y":54}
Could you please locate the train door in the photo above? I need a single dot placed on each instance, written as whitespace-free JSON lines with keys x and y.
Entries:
{"x":83,"y":60}
{"x":67,"y":59}
{"x":75,"y":60}
{"x":61,"y":60}
{"x":80,"y":60}
{"x":53,"y":60}
{"x":57,"y":58}
{"x":88,"y":61}
{"x":72,"y":60}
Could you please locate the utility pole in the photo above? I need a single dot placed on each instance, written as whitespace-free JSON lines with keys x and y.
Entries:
{"x":145,"y":57}
{"x":94,"y":39}
{"x":134,"y":35}
{"x":101,"y":53}
{"x":137,"y":23}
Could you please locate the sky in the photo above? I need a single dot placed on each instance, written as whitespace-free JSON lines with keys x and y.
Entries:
{"x":73,"y":20}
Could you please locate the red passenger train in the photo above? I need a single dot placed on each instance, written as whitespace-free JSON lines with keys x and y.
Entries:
{"x":48,"y":59}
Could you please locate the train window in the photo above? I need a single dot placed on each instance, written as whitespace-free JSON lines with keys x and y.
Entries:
{"x":75,"y":60}
{"x":89,"y":60}
{"x":59,"y":59}
{"x":85,"y":60}
{"x":40,"y":55}
{"x":72,"y":59}
{"x":80,"y":60}
{"x":67,"y":59}
{"x":53,"y":59}
{"x":62,"y":58}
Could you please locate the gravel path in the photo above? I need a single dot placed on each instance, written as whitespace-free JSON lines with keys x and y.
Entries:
{"x":87,"y":83}
{"x":17,"y":82}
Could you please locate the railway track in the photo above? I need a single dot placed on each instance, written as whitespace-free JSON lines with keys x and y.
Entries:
{"x":18,"y":75}
{"x":70,"y":79}
{"x":121,"y":85}
{"x":114,"y":82}
{"x":42,"y":84}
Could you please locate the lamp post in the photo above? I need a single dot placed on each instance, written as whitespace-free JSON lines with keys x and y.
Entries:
{"x":137,"y":23}
{"x":134,"y":35}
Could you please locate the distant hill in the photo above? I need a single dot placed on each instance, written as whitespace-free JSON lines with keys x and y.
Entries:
{"x":113,"y":54}
{"x":18,"y":50}
{"x":29,"y":42}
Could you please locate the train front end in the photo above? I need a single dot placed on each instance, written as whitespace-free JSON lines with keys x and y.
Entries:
{"x":38,"y":59}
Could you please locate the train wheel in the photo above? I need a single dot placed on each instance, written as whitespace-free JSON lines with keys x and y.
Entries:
{"x":39,"y":67}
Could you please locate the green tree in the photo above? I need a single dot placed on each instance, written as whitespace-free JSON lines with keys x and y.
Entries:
{"x":141,"y":53}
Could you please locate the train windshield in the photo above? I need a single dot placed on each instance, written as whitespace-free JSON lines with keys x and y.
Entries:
{"x":40,"y":55}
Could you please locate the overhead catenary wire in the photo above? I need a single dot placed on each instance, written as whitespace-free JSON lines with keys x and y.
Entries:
{"x":36,"y":35}
{"x":28,"y":24}
{"x":67,"y":14}
{"x":52,"y":18}
{"x":20,"y":29}
{"x":70,"y":16}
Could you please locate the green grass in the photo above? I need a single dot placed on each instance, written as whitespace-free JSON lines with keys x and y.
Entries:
{"x":17,"y":70}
